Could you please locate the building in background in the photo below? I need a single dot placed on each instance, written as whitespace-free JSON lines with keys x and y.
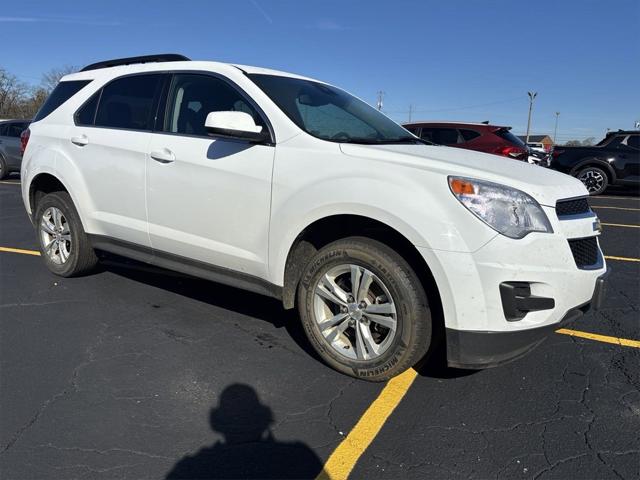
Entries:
{"x":535,"y":140}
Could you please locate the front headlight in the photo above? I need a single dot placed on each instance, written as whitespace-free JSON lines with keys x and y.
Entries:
{"x":508,"y":211}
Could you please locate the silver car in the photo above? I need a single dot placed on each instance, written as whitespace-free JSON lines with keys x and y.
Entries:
{"x":10,"y":152}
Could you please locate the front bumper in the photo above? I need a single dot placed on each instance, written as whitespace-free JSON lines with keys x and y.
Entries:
{"x":485,"y":349}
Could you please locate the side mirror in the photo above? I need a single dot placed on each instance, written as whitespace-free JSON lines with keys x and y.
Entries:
{"x":239,"y":125}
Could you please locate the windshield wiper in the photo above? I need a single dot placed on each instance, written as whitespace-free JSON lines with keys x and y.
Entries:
{"x":388,"y":141}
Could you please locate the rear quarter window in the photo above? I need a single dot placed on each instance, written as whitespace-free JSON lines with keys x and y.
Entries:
{"x":510,"y":137}
{"x":468,"y":135}
{"x":63,"y":92}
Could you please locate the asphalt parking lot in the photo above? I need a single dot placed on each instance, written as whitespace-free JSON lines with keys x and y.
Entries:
{"x":136,"y":372}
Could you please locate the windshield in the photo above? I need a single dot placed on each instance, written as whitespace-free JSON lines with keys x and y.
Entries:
{"x":329,"y":113}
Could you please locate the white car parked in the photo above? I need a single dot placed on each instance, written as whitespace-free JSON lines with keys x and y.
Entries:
{"x":293,"y":188}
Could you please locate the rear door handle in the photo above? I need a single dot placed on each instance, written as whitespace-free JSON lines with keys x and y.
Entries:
{"x":81,"y":141}
{"x":164,"y":155}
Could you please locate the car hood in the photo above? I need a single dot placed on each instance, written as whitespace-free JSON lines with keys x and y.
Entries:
{"x":546,"y":186}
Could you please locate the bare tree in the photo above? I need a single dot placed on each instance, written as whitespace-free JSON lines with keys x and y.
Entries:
{"x":587,"y":142}
{"x":53,"y":76}
{"x":13,"y":92}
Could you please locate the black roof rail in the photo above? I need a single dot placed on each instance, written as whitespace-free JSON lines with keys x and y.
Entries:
{"x":163,"y":57}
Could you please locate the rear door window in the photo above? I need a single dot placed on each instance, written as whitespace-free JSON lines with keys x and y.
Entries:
{"x":63,"y":92}
{"x":129,"y":102}
{"x":442,"y":136}
{"x":86,"y":115}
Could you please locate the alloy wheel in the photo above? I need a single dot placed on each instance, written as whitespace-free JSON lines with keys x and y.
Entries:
{"x":355,"y":312}
{"x":592,"y":179}
{"x":55,"y":235}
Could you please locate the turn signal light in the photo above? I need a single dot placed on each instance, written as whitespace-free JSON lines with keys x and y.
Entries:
{"x":461,"y":187}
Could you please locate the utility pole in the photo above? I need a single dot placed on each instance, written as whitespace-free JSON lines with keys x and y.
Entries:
{"x":555,"y":130}
{"x":410,"y":111}
{"x":532,"y":95}
{"x":380,"y":96}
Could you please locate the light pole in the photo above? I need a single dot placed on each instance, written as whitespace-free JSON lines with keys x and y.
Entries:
{"x":555,"y":130}
{"x":532,"y":95}
{"x":379,"y":102}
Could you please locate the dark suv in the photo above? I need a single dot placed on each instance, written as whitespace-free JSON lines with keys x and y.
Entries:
{"x":613,"y":161}
{"x":473,"y":136}
{"x":10,"y":152}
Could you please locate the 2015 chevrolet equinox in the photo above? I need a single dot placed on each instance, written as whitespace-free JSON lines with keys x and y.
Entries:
{"x":291,"y":187}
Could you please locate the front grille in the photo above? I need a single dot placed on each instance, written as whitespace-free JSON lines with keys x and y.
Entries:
{"x":575,"y":206}
{"x":585,"y":251}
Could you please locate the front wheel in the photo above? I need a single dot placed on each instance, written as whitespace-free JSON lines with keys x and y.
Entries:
{"x":594,"y":178}
{"x":364,"y":309}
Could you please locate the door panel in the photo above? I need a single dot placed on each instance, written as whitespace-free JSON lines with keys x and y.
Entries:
{"x":113,"y":163}
{"x":208,"y":198}
{"x":112,"y":148}
{"x":212,"y":202}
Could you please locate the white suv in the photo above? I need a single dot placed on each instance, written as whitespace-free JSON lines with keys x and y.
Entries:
{"x":290,"y":187}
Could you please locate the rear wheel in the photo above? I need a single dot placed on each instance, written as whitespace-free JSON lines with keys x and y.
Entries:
{"x":594,"y":178}
{"x":364,"y":309}
{"x":64,"y":245}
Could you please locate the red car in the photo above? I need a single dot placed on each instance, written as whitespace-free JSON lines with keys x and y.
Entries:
{"x":473,"y":136}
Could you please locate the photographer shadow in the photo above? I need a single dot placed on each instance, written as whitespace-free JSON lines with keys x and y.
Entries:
{"x":248,"y":449}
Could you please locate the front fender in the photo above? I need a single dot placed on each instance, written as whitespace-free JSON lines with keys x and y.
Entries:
{"x":596,"y":161}
{"x":428,"y":219}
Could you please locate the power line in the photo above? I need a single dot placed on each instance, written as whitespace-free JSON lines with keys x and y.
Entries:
{"x":425,"y":110}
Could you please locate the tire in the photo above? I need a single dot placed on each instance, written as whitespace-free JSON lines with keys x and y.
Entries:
{"x":385,"y":274}
{"x":594,"y":178}
{"x":4,"y":169}
{"x":74,"y":256}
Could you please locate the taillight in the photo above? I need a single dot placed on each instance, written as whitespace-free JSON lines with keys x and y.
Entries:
{"x":510,"y":151}
{"x":24,"y":139}
{"x":556,"y":152}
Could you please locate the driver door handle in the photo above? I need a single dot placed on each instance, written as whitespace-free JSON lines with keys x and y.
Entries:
{"x":80,"y":141}
{"x":164,"y":155}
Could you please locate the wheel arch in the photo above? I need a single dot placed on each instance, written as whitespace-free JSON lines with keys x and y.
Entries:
{"x":42,"y":184}
{"x":595,"y":162}
{"x":327,"y":229}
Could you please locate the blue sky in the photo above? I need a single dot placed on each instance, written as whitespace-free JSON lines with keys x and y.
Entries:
{"x":466,"y":60}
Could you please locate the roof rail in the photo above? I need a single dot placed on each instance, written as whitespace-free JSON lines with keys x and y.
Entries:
{"x":163,"y":57}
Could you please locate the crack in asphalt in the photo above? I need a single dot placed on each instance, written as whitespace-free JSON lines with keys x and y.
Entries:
{"x":72,"y":382}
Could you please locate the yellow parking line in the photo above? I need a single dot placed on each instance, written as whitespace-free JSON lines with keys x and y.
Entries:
{"x":616,"y":208}
{"x":345,"y":456}
{"x":348,"y":452}
{"x":622,"y":259}
{"x":600,"y":338}
{"x":9,"y":183}
{"x":620,"y":225}
{"x":19,"y":250}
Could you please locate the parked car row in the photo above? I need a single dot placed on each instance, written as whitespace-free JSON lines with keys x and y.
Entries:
{"x":10,"y":147}
{"x":613,"y":161}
